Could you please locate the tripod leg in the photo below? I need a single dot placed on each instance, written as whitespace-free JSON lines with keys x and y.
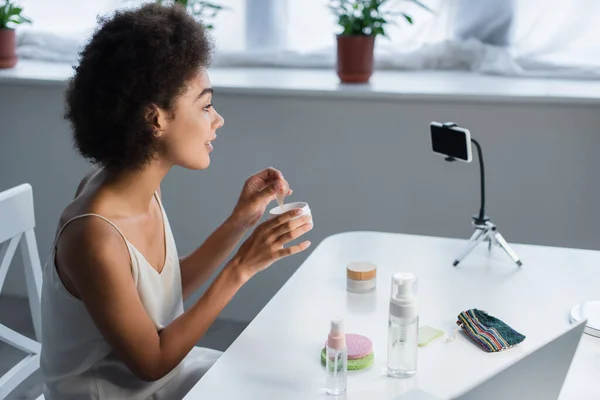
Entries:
{"x":500,"y":239}
{"x":478,"y":236}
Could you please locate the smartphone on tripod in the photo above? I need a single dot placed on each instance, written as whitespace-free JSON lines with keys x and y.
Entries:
{"x":452,"y":141}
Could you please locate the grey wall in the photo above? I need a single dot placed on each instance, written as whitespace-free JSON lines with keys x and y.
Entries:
{"x":361,"y":165}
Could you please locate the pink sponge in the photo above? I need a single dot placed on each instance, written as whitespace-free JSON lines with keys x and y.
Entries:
{"x":358,"y":346}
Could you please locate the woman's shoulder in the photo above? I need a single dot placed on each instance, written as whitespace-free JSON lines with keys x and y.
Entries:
{"x":87,"y":247}
{"x":83,"y":231}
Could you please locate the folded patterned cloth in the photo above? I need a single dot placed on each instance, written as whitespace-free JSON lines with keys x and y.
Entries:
{"x":489,"y":332}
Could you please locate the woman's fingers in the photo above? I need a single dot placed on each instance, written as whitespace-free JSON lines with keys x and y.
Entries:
{"x":269,"y":173}
{"x":281,"y":219}
{"x":289,"y":226}
{"x":292,"y":230}
{"x":288,"y":251}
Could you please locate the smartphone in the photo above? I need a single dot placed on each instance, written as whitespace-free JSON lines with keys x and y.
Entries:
{"x":451,"y":142}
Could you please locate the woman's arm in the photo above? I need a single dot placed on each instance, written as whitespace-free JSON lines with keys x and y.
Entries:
{"x":258,"y":191}
{"x":95,"y":260}
{"x":199,"y":265}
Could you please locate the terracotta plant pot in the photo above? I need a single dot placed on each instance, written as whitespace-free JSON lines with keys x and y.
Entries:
{"x":8,"y":45}
{"x":355,"y":58}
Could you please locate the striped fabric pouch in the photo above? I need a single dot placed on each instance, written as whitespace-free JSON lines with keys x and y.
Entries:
{"x":487,"y":331}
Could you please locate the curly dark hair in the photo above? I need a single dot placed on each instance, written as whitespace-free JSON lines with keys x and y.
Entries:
{"x":135,"y":58}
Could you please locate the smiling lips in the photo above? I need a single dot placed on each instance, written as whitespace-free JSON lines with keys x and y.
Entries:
{"x":209,"y":143}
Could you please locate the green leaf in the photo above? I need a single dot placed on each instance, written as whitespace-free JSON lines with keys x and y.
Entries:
{"x":367,"y":20}
{"x":364,"y":17}
{"x":378,"y":31}
{"x":366,"y":12}
{"x":344,"y":21}
{"x":344,"y":6}
{"x":357,"y":27}
{"x":422,"y":5}
{"x":11,"y":14}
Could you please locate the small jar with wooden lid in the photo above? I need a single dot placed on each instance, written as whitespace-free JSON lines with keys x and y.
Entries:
{"x":361,"y":277}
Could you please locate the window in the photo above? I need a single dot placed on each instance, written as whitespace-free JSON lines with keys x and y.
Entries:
{"x":64,"y":16}
{"x":312,"y":26}
{"x":562,"y":33}
{"x":528,"y":37}
{"x":76,"y":19}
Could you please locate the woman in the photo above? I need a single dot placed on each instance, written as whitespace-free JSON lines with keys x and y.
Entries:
{"x":113,"y":325}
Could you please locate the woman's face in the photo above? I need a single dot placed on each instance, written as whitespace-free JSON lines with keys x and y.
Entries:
{"x":187,"y":138}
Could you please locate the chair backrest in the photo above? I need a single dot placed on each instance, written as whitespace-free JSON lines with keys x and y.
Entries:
{"x":16,"y":211}
{"x":17,"y":223}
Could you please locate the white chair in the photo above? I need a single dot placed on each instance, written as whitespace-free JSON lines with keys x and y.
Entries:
{"x":17,"y":221}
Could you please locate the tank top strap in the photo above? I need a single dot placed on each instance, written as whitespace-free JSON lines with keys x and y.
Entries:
{"x":88,"y":215}
{"x":105,"y":219}
{"x":52,"y":251}
{"x":160,"y":204}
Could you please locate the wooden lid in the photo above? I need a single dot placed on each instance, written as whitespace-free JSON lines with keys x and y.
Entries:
{"x":361,"y":271}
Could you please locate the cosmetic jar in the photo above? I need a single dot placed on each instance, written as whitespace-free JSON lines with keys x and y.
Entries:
{"x":291,"y":206}
{"x":361,"y":277}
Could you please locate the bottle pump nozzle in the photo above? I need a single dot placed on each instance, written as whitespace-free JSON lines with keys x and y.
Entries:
{"x":403,"y":301}
{"x":337,"y":338}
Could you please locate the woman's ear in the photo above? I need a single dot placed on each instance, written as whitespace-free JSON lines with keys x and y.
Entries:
{"x":157,"y":119}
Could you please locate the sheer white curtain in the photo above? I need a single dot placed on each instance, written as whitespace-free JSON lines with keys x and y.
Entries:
{"x":301,"y":33}
{"x":551,"y":38}
{"x":557,"y":38}
{"x":61,"y":27}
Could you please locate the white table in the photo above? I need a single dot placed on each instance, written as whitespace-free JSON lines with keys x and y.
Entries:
{"x":277,"y":356}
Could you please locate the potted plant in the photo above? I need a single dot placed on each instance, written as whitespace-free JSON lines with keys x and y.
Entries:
{"x":201,"y":10}
{"x":10,"y":14}
{"x":362,"y":21}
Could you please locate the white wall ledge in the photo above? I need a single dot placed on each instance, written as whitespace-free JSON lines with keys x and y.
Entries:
{"x":385,"y":85}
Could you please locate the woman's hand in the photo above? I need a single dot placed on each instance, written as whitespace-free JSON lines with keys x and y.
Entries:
{"x":258,"y":191}
{"x":265,"y":245}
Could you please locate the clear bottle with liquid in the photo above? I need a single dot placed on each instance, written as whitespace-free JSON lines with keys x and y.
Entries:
{"x":403,"y":326}
{"x":336,"y":363}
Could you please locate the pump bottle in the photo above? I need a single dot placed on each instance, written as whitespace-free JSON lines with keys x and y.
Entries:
{"x":337,"y":360}
{"x":403,"y":326}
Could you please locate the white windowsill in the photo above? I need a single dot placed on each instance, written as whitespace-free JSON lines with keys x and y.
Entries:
{"x":417,"y":85}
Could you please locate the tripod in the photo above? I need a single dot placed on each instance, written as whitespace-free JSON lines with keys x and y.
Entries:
{"x":485,"y":230}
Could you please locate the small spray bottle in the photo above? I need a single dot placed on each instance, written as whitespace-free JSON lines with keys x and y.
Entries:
{"x":337,"y":359}
{"x":403,"y":327}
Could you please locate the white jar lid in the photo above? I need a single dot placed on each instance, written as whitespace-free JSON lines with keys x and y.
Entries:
{"x":361,"y":271}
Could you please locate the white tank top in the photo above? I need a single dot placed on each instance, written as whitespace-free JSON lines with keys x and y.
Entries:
{"x":76,"y":361}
